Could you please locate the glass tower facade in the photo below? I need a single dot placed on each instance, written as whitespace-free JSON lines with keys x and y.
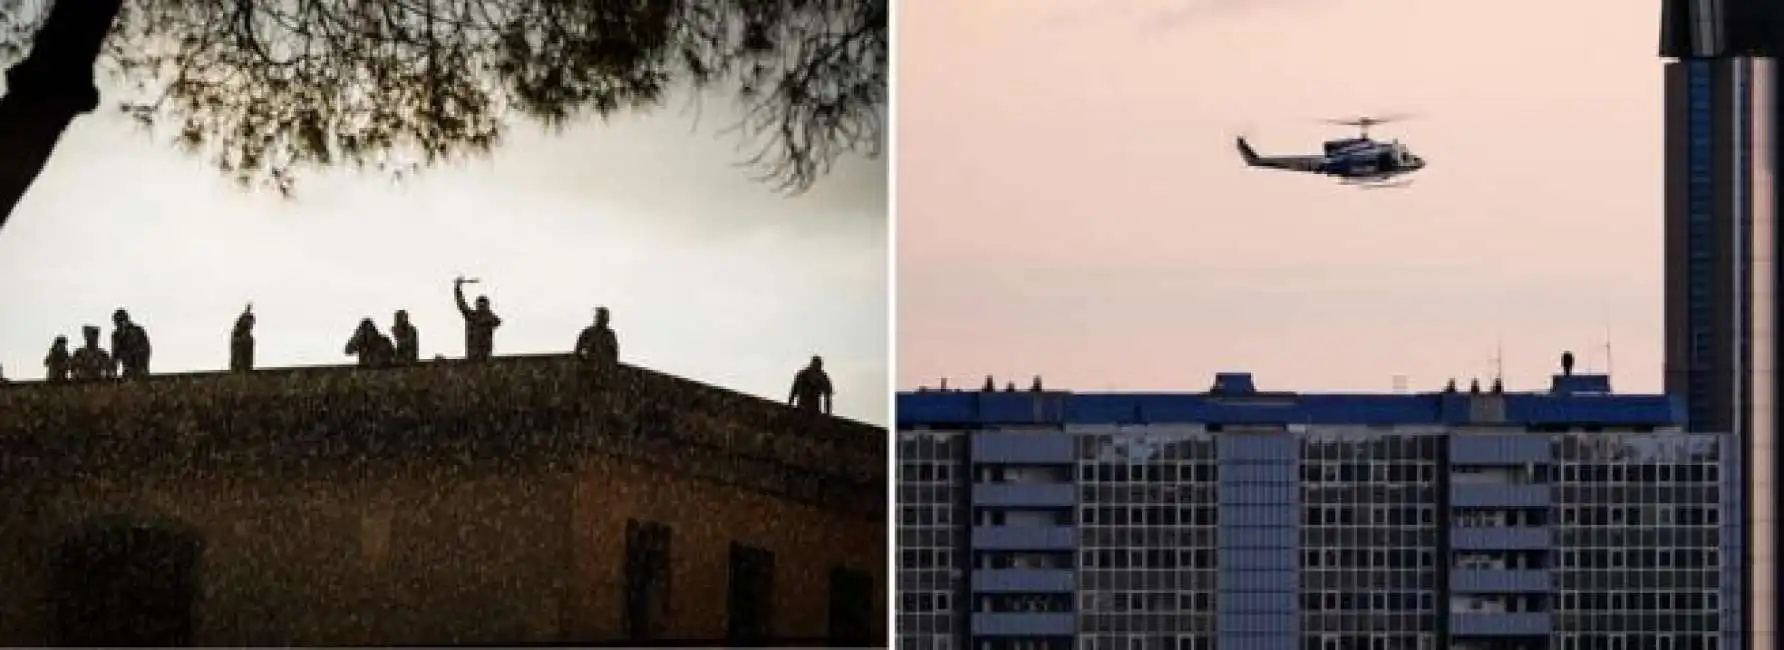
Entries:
{"x":1721,"y":217}
{"x":932,"y":491}
{"x":1571,"y":519}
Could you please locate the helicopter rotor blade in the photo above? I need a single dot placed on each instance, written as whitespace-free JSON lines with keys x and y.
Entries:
{"x":1366,"y":121}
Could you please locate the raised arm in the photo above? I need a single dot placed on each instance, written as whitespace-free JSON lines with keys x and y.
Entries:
{"x":458,"y":293}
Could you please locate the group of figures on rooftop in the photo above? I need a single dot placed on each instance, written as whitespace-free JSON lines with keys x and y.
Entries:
{"x":597,"y":345}
{"x":129,"y":356}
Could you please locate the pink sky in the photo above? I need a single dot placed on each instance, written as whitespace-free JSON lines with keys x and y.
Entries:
{"x":1070,"y":203}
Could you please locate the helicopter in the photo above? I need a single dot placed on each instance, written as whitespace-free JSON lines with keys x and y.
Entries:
{"x":1358,"y":161}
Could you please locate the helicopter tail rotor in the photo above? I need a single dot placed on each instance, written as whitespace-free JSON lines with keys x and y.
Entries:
{"x":1241,"y":138}
{"x":1246,"y":152}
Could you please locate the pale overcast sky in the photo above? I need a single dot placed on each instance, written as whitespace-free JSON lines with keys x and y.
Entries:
{"x":709,"y":275}
{"x":1071,"y":203}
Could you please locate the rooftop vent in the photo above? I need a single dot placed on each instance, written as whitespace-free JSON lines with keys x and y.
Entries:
{"x":1568,"y":383}
{"x":1581,"y":385}
{"x":1233,"y":383}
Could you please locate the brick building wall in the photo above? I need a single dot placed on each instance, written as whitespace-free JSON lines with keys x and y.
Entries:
{"x":446,"y":503}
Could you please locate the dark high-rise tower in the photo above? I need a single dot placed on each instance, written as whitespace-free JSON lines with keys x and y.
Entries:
{"x":1722,"y":241}
{"x":1720,"y":237}
{"x":1713,"y":28}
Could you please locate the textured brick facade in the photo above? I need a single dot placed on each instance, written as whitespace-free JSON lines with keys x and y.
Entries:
{"x":446,"y":503}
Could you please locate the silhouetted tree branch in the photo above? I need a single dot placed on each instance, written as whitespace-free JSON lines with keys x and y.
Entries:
{"x":266,"y":88}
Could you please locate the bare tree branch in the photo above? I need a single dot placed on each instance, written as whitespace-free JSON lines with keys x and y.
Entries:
{"x":268,"y":88}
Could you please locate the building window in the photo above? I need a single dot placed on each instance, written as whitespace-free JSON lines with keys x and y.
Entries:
{"x":851,"y":609}
{"x":749,"y":615}
{"x":647,"y":579}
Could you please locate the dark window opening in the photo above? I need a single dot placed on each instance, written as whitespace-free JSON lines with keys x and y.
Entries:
{"x":749,"y":614}
{"x":851,"y":609}
{"x":647,"y":579}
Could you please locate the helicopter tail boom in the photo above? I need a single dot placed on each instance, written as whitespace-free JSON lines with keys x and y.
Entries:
{"x":1315,"y":164}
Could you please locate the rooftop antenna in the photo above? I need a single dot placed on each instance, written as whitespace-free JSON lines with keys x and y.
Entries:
{"x":1499,"y":358}
{"x":1607,"y":350}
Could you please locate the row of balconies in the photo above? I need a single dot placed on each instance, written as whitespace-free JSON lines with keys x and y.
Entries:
{"x":1065,"y":538}
{"x":1469,"y":624}
{"x":1485,"y":450}
{"x":1065,"y":495}
{"x":1462,"y":581}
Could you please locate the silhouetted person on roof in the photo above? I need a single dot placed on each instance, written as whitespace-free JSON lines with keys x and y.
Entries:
{"x":1010,"y":387}
{"x":480,"y":323}
{"x":90,"y":362}
{"x":57,"y":363}
{"x":811,"y":389}
{"x":241,"y":341}
{"x":1474,"y":386}
{"x":990,"y":386}
{"x":371,"y":346}
{"x":1567,"y":364}
{"x":130,"y":346}
{"x":1036,"y":386}
{"x":408,"y":340}
{"x":597,"y":343}
{"x":1450,"y":387}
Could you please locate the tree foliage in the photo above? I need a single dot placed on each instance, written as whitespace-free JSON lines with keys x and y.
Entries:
{"x":267,"y":88}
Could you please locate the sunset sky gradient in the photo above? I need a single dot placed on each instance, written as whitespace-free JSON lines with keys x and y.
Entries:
{"x":1071,"y":204}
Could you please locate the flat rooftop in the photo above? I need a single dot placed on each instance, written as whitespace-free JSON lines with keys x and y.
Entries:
{"x":1573,"y":400}
{"x":519,"y":411}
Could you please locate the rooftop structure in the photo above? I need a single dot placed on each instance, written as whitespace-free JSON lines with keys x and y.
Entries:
{"x":1571,"y":518}
{"x":1572,"y":399}
{"x":524,"y":500}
